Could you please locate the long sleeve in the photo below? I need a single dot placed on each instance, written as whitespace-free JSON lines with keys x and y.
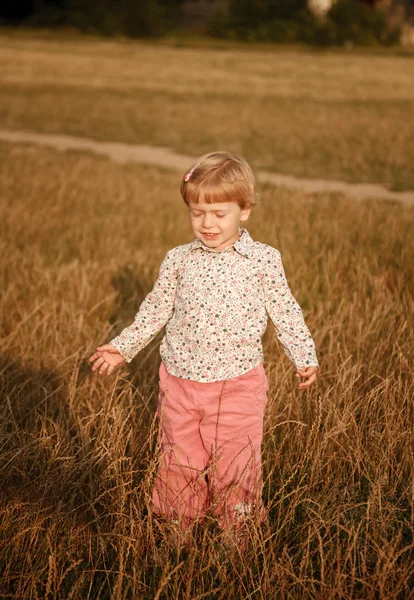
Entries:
{"x":286,"y":314}
{"x":155,"y":311}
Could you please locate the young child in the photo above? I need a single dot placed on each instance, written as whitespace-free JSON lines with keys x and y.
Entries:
{"x":214,"y":296}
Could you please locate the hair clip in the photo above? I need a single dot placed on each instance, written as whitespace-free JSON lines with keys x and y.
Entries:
{"x":188,"y":175}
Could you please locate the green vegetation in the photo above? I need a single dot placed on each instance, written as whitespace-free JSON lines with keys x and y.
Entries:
{"x":348,"y":21}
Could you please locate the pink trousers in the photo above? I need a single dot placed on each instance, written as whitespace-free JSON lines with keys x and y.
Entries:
{"x":210,"y":437}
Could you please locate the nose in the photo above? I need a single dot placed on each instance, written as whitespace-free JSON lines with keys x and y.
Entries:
{"x":208,"y":220}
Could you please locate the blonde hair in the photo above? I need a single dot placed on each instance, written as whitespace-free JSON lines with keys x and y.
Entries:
{"x":219,"y":177}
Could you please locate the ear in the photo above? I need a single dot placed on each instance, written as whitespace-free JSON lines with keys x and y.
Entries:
{"x":245,"y":213}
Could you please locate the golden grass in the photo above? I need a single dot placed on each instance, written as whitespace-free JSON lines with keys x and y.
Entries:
{"x":81,"y":242}
{"x":313,"y":114}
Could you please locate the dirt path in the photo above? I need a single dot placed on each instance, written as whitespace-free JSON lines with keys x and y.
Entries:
{"x":165,"y":157}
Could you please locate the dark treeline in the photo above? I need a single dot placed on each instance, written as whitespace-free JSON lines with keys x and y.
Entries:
{"x":348,"y":21}
{"x":135,"y":18}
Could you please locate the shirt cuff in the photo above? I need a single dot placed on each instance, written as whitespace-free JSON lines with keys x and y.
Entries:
{"x":118,"y":345}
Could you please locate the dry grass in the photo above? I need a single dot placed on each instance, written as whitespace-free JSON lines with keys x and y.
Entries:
{"x":81,"y":242}
{"x":313,"y":114}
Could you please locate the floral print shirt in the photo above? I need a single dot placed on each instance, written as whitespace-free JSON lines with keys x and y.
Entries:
{"x":215,"y":305}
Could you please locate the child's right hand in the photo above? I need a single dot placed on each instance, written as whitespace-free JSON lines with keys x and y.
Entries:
{"x":107,"y":358}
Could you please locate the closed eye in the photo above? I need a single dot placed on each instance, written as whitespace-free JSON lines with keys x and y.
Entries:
{"x":220,"y":216}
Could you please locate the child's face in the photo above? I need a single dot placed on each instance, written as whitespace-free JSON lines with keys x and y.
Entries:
{"x":217,"y":225}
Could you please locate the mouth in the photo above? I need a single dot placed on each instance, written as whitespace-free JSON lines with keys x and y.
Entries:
{"x":210,"y":236}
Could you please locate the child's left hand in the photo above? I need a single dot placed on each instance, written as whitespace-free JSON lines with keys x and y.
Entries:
{"x":310,"y":374}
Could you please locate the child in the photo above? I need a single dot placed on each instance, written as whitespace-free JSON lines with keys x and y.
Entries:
{"x":214,"y":296}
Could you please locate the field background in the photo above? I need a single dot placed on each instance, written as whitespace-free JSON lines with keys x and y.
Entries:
{"x":81,"y":242}
{"x":309,"y":113}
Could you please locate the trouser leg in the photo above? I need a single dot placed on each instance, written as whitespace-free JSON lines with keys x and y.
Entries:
{"x":232,"y":431}
{"x":180,"y":490}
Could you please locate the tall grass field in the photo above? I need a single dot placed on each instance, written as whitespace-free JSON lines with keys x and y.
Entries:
{"x":81,"y":241}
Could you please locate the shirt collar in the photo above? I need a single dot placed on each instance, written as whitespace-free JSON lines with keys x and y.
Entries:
{"x":243,"y":244}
